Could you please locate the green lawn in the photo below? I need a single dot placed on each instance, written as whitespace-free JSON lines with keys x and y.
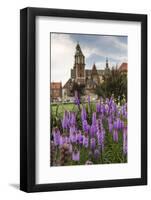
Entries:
{"x":59,"y":108}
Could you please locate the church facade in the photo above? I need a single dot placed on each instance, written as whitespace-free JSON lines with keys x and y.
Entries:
{"x":88,"y":78}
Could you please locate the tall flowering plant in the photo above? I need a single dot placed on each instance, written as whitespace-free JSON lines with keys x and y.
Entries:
{"x":94,"y":133}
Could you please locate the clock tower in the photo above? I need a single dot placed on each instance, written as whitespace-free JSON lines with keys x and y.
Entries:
{"x":79,"y":66}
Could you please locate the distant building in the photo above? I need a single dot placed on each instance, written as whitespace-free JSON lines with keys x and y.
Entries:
{"x":123,"y":68}
{"x":55,"y":91}
{"x":89,"y":78}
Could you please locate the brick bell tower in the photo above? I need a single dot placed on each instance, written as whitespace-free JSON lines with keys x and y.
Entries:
{"x":79,"y":66}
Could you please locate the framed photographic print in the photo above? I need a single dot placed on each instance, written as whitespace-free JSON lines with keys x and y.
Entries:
{"x":83,"y":99}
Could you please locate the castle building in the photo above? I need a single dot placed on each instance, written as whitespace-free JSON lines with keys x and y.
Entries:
{"x":88,"y":78}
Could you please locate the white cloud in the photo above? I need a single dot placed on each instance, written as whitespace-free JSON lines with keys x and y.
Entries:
{"x":62,"y":57}
{"x":63,"y":50}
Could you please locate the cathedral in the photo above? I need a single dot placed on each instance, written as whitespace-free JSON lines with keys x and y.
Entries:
{"x":88,"y":78}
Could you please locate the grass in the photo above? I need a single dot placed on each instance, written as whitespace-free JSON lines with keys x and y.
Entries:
{"x":59,"y":108}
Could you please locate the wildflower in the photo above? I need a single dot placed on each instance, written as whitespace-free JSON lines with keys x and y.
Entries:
{"x":56,"y":136}
{"x":85,"y":141}
{"x":80,"y":138}
{"x":72,"y":129}
{"x":72,"y":119}
{"x":94,"y":118}
{"x":63,"y":140}
{"x":73,"y":137}
{"x":100,"y":138}
{"x":83,"y":114}
{"x":76,"y":155}
{"x":98,"y":107}
{"x":77,"y":100}
{"x":85,"y":126}
{"x":125,"y":140}
{"x":92,"y":144}
{"x":65,"y":121}
{"x":93,"y":130}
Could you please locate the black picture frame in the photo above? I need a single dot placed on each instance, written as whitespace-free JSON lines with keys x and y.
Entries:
{"x":28,"y":98}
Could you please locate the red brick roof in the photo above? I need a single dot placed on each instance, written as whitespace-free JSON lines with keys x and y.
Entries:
{"x":56,"y":85}
{"x":123,"y":67}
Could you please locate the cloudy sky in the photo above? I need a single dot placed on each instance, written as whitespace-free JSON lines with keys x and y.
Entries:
{"x":94,"y":47}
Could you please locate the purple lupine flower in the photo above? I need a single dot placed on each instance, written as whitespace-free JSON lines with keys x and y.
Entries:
{"x":114,"y":108}
{"x":115,"y":125}
{"x":65,"y":120}
{"x":72,"y":119}
{"x":73,"y":137}
{"x":96,"y":154}
{"x":115,"y":131}
{"x":76,"y":155}
{"x":92,"y":143}
{"x":107,"y":101}
{"x":99,"y":124}
{"x":80,"y":138}
{"x":110,"y":127}
{"x":106,"y":109}
{"x":93,"y":130}
{"x":56,"y":136}
{"x":94,"y":118}
{"x":83,"y":114}
{"x":122,"y":124}
{"x":63,"y":140}
{"x":72,"y":129}
{"x":118,"y":123}
{"x":77,"y":100}
{"x":85,"y":126}
{"x":98,"y":108}
{"x":100,"y":138}
{"x":125,"y":140}
{"x":85,"y":141}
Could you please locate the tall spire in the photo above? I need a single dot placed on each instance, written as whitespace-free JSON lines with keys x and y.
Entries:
{"x":94,"y":67}
{"x":78,"y":50}
{"x":107,"y":64}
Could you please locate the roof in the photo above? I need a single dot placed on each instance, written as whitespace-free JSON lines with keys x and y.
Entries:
{"x":99,"y":71}
{"x":69,"y":82}
{"x":56,"y":85}
{"x":123,"y":67}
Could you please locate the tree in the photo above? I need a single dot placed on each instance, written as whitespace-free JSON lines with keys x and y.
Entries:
{"x":115,"y":83}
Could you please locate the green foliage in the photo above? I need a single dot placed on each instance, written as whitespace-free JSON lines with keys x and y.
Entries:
{"x":114,"y":84}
